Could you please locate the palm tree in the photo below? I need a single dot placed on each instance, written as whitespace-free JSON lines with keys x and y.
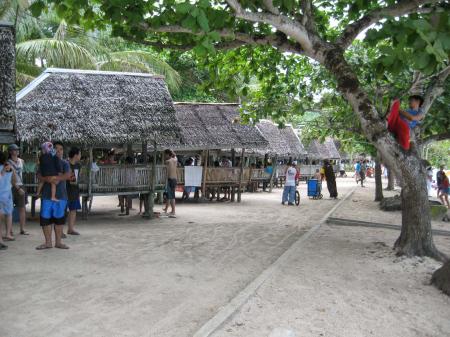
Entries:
{"x":71,"y":47}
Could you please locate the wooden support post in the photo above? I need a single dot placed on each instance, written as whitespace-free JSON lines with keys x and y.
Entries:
{"x":233,"y":157}
{"x":205,"y":168}
{"x":274,"y":172}
{"x":150,"y":201}
{"x":144,"y":153}
{"x":241,"y":172}
{"x":89,"y":196}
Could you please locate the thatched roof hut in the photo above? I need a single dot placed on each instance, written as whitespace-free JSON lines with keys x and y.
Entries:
{"x":7,"y":82}
{"x":208,"y":126}
{"x":283,"y":142}
{"x":321,"y":151}
{"x":333,"y":152}
{"x":96,"y":107}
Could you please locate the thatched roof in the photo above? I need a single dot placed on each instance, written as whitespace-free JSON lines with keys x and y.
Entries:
{"x":7,"y":82}
{"x":333,"y":152}
{"x":283,"y":142}
{"x":320,"y":151}
{"x":215,"y":126}
{"x":95,"y":107}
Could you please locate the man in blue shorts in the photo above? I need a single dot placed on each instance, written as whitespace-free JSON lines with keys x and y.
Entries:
{"x":53,"y":212}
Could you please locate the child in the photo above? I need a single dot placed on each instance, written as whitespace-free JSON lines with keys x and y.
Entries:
{"x":401,"y":122}
{"x":49,"y":167}
{"x":414,"y":114}
{"x":444,"y":188}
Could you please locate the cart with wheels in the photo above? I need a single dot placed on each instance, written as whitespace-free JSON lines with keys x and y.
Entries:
{"x":314,"y":189}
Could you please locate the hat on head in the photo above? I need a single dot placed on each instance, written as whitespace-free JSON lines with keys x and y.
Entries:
{"x":13,"y":147}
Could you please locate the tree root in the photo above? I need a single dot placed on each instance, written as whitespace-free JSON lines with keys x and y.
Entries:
{"x":441,"y":278}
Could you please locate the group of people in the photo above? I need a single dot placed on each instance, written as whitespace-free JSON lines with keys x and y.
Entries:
{"x":293,"y":176}
{"x":360,"y":171}
{"x":58,"y":189}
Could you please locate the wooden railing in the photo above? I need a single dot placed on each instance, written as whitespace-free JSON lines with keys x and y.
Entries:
{"x":113,"y":179}
{"x":259,"y":175}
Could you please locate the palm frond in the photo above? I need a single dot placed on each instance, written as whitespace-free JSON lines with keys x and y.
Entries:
{"x":28,"y":69}
{"x":22,"y":80}
{"x":154,"y":64}
{"x":57,"y":53}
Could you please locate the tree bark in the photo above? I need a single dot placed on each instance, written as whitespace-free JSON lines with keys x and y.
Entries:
{"x":441,"y":278}
{"x":378,"y":181}
{"x":391,"y":179}
{"x":415,"y":236}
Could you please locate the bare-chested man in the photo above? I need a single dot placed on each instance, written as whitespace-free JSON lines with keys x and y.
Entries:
{"x":171,"y":164}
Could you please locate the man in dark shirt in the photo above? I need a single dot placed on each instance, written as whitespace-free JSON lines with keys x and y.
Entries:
{"x":53,"y":212}
{"x":73,"y":190}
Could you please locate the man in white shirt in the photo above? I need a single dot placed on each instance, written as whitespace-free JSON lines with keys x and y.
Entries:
{"x":289,"y":186}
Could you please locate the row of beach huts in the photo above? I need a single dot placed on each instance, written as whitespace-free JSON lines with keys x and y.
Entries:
{"x":134,"y":113}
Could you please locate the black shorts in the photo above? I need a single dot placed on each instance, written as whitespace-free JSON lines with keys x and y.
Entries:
{"x":171,"y":187}
{"x":18,"y":199}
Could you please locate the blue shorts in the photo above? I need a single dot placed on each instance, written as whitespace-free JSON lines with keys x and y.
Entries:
{"x":53,"y":212}
{"x":74,"y":205}
{"x":6,"y":203}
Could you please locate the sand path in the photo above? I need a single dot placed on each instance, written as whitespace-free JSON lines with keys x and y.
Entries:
{"x":131,"y":277}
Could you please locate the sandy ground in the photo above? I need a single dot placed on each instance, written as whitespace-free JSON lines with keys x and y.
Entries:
{"x":346,"y":281}
{"x":133,"y":277}
{"x":363,"y":207}
{"x":167,"y":277}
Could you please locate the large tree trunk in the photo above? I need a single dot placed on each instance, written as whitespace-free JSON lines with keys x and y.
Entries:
{"x":378,"y":181}
{"x":441,"y":278}
{"x":416,"y":237}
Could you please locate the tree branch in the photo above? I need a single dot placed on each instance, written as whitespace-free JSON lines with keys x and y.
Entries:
{"x":437,"y":137}
{"x":435,"y":89}
{"x":290,"y":27}
{"x":402,"y":7}
{"x":270,"y":7}
{"x":237,"y":39}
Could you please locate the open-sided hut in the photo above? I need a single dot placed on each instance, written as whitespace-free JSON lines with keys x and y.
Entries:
{"x":7,"y":83}
{"x":284,"y":144}
{"x":333,"y":152}
{"x":101,"y":109}
{"x":215,"y":126}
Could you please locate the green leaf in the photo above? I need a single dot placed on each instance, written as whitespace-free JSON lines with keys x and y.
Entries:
{"x":203,"y":21}
{"x":37,"y":7}
{"x":183,"y":7}
{"x":422,"y":59}
{"x":190,"y":22}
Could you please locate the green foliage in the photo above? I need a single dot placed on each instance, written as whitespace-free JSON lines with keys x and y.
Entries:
{"x":438,"y":153}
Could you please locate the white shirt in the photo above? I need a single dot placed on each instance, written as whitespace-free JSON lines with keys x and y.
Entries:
{"x":290,"y":176}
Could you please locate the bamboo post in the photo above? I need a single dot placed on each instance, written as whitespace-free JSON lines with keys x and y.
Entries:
{"x":150,"y":202}
{"x":144,"y":153}
{"x":240,"y":175}
{"x":274,"y":172}
{"x":205,"y":168}
{"x":89,"y":196}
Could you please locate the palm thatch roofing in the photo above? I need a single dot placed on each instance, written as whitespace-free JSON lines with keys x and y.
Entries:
{"x":95,"y":107}
{"x":320,"y":151}
{"x":283,"y":142}
{"x":206,"y":126}
{"x":7,"y":82}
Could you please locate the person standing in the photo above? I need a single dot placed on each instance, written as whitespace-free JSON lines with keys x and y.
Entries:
{"x":362,"y":172}
{"x":7,"y":180}
{"x":445,"y":186}
{"x":289,"y":185}
{"x":357,"y":167}
{"x":331,"y":179}
{"x":18,"y":190}
{"x":53,"y":212}
{"x":429,"y":180}
{"x":439,"y":180}
{"x":73,"y":190}
{"x":171,"y":165}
